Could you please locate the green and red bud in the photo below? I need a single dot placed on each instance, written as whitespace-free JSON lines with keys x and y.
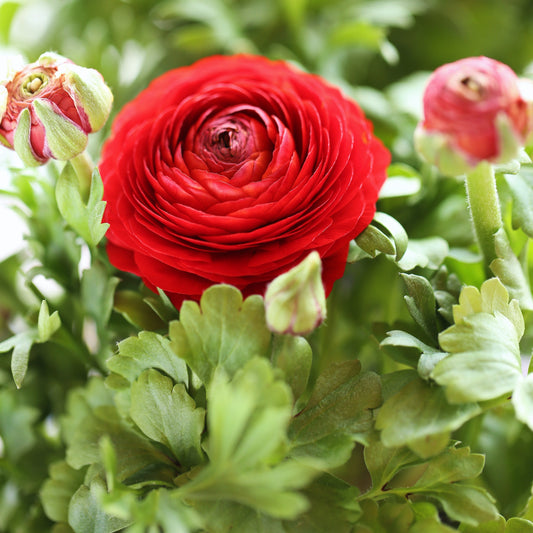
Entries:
{"x":295,"y":302}
{"x":475,"y":109}
{"x":48,"y":108}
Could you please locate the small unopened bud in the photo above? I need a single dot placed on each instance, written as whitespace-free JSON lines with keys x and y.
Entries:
{"x":48,"y":108}
{"x":474,"y":110}
{"x":295,"y":302}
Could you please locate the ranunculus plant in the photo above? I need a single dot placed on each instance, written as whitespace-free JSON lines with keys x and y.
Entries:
{"x":260,"y":311}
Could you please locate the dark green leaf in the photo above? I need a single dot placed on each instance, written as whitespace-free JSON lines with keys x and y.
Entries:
{"x":341,"y":402}
{"x":421,"y":303}
{"x":293,"y":355}
{"x":137,"y":458}
{"x":134,"y":308}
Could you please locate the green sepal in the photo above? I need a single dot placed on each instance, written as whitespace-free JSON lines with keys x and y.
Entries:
{"x":21,"y":141}
{"x":92,"y":93}
{"x":64,"y":138}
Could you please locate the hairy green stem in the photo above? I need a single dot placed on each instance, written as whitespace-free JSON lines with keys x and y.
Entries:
{"x":485,"y":210}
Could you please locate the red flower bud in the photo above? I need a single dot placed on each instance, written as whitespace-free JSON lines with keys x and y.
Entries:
{"x":473,"y":111}
{"x":47,"y":108}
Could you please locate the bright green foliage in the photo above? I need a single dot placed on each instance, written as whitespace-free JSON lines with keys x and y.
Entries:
{"x":86,"y":220}
{"x":483,"y":344}
{"x":216,"y":332}
{"x":167,"y":414}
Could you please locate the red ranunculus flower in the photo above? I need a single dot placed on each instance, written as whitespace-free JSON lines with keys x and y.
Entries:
{"x":477,"y":106}
{"x":232,"y":170}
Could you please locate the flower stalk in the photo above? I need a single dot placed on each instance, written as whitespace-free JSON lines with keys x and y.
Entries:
{"x":484,"y":205}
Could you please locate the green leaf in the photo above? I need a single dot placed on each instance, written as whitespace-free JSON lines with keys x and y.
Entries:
{"x":341,"y":403}
{"x":223,"y":331}
{"x":455,"y":464}
{"x":228,"y":517}
{"x":357,"y":33}
{"x":402,"y":180}
{"x":491,"y":526}
{"x":384,"y":462}
{"x":403,"y":339}
{"x":519,"y":525}
{"x":47,"y":324}
{"x":521,"y":188}
{"x":417,"y":412}
{"x":523,"y":401}
{"x":85,"y":513}
{"x":247,"y":423}
{"x":137,"y":458}
{"x":465,"y":503}
{"x":421,"y":303}
{"x":21,"y":354}
{"x":166,"y":413}
{"x":58,"y":489}
{"x":293,"y":355}
{"x":16,"y":424}
{"x":484,"y":361}
{"x":136,"y":310}
{"x":86,"y":220}
{"x":430,"y":525}
{"x":147,"y":350}
{"x":491,"y":298}
{"x":333,"y":507}
{"x":97,"y":290}
{"x":509,"y":270}
{"x":385,"y":235}
{"x":7,"y":13}
{"x":425,"y":253}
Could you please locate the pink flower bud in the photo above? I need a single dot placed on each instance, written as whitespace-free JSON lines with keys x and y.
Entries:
{"x":474,"y":111}
{"x":48,"y":108}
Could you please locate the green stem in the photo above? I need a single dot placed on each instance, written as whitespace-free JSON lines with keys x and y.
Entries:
{"x":485,"y":209}
{"x":498,"y":256}
{"x":83,"y":166}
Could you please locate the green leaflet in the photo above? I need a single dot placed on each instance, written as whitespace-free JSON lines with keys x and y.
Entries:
{"x":247,"y":423}
{"x":484,"y":361}
{"x":22,"y":343}
{"x":223,"y":331}
{"x":341,"y":403}
{"x":444,"y":479}
{"x":167,"y":414}
{"x":86,"y":220}
{"x":147,"y":350}
{"x":418,"y":412}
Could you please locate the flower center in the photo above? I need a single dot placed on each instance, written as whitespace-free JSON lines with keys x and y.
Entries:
{"x":229,"y":141}
{"x":472,"y":86}
{"x":33,"y":84}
